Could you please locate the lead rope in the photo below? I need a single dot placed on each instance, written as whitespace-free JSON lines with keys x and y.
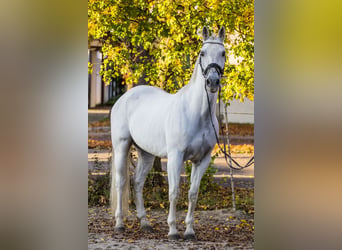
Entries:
{"x":230,"y":161}
{"x":226,"y":155}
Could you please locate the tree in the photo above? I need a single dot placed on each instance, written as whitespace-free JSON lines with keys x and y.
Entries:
{"x":157,"y":41}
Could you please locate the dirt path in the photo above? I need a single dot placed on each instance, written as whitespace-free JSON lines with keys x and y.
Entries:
{"x":218,"y":229}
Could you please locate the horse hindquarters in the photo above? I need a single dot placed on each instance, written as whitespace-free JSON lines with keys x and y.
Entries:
{"x":121,"y":143}
{"x":120,"y":183}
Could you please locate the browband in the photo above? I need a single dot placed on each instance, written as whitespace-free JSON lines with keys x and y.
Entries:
{"x":213,"y":42}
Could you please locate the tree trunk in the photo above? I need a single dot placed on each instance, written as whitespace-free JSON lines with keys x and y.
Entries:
{"x":157,"y":178}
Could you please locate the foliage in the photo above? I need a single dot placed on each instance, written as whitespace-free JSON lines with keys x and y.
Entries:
{"x":157,"y":41}
{"x":98,"y":189}
{"x":99,"y":144}
{"x":237,"y":149}
{"x":90,"y":68}
{"x":105,"y":122}
{"x":153,"y":178}
{"x":156,"y":197}
{"x":239,"y":129}
{"x":112,"y":101}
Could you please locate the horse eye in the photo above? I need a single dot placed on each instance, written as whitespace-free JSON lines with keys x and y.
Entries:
{"x":202,"y":53}
{"x":224,"y":53}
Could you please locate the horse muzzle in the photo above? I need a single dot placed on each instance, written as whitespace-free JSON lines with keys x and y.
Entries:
{"x":212,"y":84}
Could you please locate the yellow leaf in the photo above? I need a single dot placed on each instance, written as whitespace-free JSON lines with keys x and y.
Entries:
{"x":161,"y":205}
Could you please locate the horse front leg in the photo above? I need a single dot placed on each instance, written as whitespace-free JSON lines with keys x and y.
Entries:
{"x":197,"y":173}
{"x":175,"y":161}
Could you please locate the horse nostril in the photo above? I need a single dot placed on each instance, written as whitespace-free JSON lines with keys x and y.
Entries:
{"x":207,"y":81}
{"x":217,"y":82}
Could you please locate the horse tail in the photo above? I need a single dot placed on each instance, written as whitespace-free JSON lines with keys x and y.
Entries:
{"x":125,"y":191}
{"x":113,"y":194}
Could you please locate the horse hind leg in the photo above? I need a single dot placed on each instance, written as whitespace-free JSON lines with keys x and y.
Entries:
{"x":145,"y":162}
{"x":120,"y":181}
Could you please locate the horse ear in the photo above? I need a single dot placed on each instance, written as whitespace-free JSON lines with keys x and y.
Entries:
{"x":205,"y":33}
{"x":222,"y":34}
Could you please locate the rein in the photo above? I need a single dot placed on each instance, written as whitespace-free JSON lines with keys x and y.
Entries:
{"x":226,"y":155}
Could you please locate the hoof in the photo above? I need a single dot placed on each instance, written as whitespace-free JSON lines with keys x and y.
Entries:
{"x":120,"y":229}
{"x":174,"y":237}
{"x":147,"y":229}
{"x":190,"y":237}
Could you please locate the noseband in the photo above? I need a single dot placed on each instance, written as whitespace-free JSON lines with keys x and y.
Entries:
{"x":217,"y":67}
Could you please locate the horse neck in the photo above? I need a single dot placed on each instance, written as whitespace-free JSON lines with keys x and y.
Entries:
{"x":196,"y":94}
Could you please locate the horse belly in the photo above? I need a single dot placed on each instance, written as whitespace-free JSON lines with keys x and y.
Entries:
{"x":149,"y":138}
{"x":146,"y":126}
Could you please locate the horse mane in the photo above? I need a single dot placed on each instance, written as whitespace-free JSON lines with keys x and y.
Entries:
{"x":193,"y":77}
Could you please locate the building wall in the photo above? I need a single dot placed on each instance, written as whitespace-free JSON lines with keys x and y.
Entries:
{"x":239,"y":112}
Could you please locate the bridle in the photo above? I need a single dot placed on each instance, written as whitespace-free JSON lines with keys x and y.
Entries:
{"x":220,"y":73}
{"x":217,"y":67}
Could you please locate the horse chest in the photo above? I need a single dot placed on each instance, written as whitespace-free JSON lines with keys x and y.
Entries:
{"x":199,"y":146}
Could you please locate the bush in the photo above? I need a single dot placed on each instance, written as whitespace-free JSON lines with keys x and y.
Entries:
{"x":98,"y":190}
{"x":112,"y":101}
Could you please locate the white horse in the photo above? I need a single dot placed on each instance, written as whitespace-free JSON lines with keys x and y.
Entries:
{"x":177,"y":126}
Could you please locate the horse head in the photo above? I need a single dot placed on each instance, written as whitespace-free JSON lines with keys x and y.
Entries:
{"x":212,"y":59}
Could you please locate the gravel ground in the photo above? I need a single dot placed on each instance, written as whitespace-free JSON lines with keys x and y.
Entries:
{"x":218,"y":229}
